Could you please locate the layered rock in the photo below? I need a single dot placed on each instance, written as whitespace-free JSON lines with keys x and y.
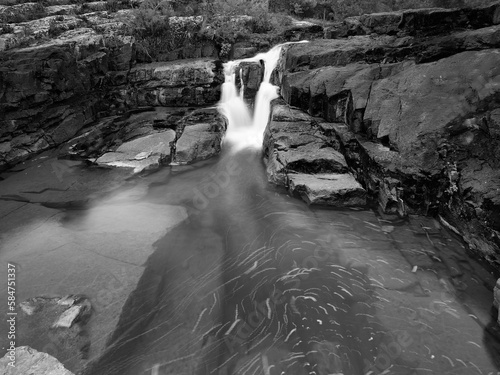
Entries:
{"x":300,"y":156}
{"x":419,"y":111}
{"x":47,"y":92}
{"x":52,"y":91}
{"x":173,"y":84}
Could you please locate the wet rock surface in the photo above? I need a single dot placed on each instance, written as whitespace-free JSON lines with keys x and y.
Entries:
{"x":417,"y":92}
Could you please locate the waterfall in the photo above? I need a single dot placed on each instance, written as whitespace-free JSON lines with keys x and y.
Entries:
{"x":246,"y":130}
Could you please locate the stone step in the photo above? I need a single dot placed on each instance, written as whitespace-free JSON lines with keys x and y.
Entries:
{"x":337,"y":190}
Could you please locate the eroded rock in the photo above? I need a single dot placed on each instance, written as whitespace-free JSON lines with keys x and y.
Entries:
{"x":301,"y":155}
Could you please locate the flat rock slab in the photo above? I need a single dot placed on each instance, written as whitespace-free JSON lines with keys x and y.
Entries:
{"x":141,"y":153}
{"x":338,"y":190}
{"x":30,"y":361}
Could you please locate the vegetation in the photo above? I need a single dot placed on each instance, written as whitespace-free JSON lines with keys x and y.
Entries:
{"x":158,"y":30}
{"x":339,"y":9}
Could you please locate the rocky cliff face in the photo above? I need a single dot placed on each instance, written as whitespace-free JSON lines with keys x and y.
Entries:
{"x":50,"y":91}
{"x":413,"y":99}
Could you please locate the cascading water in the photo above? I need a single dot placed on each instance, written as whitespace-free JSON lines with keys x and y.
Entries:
{"x":246,"y":130}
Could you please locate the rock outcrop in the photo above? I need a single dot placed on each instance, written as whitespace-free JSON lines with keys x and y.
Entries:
{"x":301,"y":156}
{"x":417,"y":93}
{"x":50,"y":92}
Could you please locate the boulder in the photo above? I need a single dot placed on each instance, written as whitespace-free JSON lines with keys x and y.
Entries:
{"x":337,"y":190}
{"x":30,"y":361}
{"x":198,"y":142}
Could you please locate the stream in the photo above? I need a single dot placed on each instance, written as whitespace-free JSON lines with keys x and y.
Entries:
{"x":248,"y":280}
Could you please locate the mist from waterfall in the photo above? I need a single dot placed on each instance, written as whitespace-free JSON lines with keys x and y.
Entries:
{"x":246,"y":130}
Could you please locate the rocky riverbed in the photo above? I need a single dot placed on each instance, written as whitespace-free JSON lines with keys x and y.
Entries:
{"x":395,"y":112}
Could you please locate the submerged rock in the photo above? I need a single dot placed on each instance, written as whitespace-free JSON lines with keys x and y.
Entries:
{"x":30,"y":361}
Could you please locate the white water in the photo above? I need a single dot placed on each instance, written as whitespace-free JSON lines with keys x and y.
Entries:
{"x":246,"y":130}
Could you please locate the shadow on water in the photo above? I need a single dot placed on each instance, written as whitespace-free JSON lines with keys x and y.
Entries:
{"x":250,"y":282}
{"x":254,"y":282}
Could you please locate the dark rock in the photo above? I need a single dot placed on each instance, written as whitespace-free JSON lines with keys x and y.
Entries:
{"x":251,"y":73}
